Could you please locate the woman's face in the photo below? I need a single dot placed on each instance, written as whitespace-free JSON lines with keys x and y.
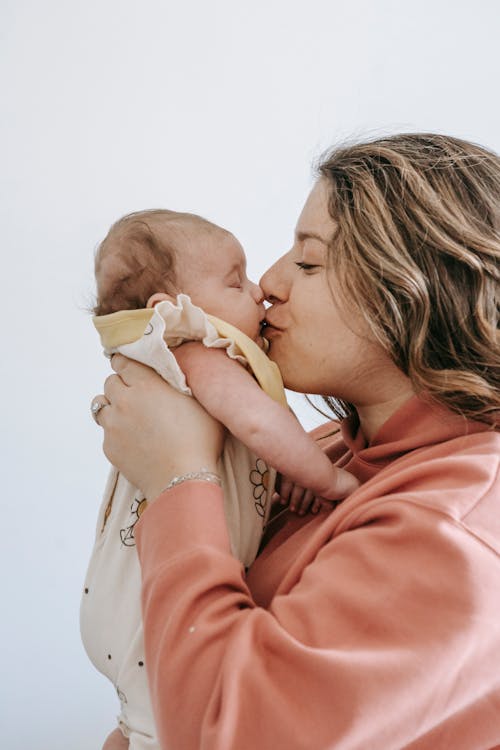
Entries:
{"x":321,"y":345}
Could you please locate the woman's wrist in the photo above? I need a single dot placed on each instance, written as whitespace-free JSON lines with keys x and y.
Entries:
{"x":201,"y":475}
{"x":204,"y":472}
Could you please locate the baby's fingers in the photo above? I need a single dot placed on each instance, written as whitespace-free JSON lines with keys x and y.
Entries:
{"x":285,"y":490}
{"x":317,"y":505}
{"x":306,"y":504}
{"x":296,"y":498}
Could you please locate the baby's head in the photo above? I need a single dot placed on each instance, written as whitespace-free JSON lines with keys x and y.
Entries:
{"x":150,"y":256}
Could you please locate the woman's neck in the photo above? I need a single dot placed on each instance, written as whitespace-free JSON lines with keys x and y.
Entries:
{"x":372,"y":415}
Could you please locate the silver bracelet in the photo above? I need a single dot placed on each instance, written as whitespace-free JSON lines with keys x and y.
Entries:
{"x":203,"y":475}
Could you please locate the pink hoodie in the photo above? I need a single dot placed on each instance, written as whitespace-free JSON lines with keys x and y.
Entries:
{"x":372,"y":627}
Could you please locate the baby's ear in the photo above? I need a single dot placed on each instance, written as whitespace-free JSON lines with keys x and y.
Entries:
{"x":159,"y":297}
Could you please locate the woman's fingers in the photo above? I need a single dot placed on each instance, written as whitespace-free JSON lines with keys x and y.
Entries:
{"x":97,"y":404}
{"x":116,"y":741}
{"x":130,"y":371}
{"x":151,"y":431}
{"x":118,"y":362}
{"x":113,"y":386}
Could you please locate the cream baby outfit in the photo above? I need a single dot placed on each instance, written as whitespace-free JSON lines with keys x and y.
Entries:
{"x":110,"y":618}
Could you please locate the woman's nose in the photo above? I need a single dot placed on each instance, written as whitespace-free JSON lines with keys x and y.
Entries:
{"x":257,"y":293}
{"x":274,"y":284}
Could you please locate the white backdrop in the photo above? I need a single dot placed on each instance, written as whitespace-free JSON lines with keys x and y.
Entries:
{"x":215,"y":107}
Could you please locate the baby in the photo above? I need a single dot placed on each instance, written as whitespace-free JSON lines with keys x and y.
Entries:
{"x":165,"y":278}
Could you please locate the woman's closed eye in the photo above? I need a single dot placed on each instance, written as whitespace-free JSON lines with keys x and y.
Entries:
{"x":306,"y":266}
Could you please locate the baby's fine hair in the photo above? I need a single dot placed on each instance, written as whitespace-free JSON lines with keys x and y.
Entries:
{"x":145,"y":246}
{"x":417,"y":250}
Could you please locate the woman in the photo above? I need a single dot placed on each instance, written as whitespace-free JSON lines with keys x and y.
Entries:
{"x":375,"y":625}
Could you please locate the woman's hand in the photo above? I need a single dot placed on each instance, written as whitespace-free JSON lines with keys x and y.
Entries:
{"x":151,"y":431}
{"x":116,"y":741}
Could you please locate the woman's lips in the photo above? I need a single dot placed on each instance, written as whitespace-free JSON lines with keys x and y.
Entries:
{"x":268,"y":329}
{"x":267,"y":323}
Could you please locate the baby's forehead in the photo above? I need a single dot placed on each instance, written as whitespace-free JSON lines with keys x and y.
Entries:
{"x":198,"y":248}
{"x":216,"y":250}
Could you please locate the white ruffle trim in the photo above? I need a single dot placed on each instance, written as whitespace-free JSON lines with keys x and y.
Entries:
{"x":171,"y":325}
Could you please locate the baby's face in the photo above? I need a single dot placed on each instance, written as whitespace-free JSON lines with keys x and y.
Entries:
{"x":213,"y":274}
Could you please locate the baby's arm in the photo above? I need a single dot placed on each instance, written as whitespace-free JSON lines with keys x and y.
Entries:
{"x":231,"y":395}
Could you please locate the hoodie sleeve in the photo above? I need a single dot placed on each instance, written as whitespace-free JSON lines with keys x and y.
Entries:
{"x":384,"y":639}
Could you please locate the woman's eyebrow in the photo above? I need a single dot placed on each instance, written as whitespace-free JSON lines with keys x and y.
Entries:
{"x":303,"y":236}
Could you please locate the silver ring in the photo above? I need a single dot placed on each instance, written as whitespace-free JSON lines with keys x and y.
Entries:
{"x":95,"y":408}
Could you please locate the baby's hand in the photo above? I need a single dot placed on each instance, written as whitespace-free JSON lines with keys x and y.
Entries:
{"x":299,"y":500}
{"x":302,"y":501}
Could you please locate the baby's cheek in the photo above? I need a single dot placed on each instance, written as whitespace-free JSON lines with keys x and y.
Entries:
{"x":250,"y":326}
{"x":244,"y":326}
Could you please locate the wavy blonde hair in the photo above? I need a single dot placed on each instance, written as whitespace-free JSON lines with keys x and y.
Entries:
{"x":417,"y":249}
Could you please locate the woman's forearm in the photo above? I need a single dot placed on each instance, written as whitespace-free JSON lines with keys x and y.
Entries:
{"x":339,"y":642}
